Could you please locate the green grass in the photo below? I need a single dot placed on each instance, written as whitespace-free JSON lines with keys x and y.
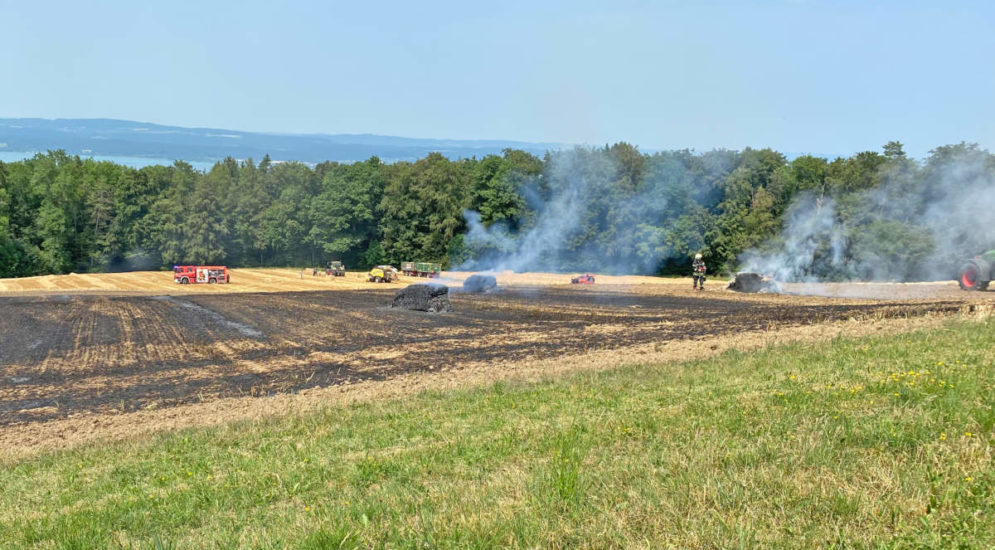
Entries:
{"x":879,"y":442}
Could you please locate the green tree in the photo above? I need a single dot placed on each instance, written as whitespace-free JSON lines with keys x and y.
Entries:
{"x":498,"y":182}
{"x":285,"y":222}
{"x":204,"y":229}
{"x":422,"y":208}
{"x":165,"y":222}
{"x":859,"y":172}
{"x":343,"y":216}
{"x":4,"y":202}
{"x":894,"y":150}
{"x":747,"y":215}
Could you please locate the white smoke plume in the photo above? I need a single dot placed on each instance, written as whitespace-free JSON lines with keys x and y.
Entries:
{"x":587,"y":213}
{"x":556,"y":223}
{"x":813,"y":243}
{"x":917,"y":227}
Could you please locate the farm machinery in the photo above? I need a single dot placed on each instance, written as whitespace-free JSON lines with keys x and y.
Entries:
{"x":976,"y":273}
{"x":586,"y":279}
{"x":336,"y":268}
{"x":383,"y":274}
{"x":421,"y":269}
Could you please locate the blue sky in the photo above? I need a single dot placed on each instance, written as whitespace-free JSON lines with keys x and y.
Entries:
{"x":828,"y":77}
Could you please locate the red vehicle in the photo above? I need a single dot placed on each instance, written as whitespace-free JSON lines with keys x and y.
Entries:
{"x":586,"y":279}
{"x":210,"y":274}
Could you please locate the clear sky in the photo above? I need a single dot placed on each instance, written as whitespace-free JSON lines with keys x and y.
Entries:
{"x":821,"y":76}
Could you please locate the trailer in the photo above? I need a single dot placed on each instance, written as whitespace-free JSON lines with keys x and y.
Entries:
{"x":206,"y":274}
{"x":421,"y":269}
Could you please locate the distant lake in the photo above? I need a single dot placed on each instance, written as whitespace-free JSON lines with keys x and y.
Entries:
{"x":134,"y":162}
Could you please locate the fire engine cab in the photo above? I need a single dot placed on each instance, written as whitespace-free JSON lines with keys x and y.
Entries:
{"x":210,"y":274}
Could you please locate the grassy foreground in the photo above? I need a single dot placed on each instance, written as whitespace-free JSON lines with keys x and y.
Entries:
{"x":880,"y":442}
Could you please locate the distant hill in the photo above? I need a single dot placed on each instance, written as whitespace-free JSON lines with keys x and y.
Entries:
{"x":107,"y":137}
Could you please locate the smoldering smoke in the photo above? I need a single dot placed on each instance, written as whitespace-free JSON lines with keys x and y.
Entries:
{"x":583,"y":214}
{"x":813,"y":243}
{"x":557,"y":221}
{"x":903,"y":232}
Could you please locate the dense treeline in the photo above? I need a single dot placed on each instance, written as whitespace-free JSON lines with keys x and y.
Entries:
{"x":614,"y":208}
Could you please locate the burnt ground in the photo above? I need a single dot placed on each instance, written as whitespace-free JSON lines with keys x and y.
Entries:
{"x":62,"y":356}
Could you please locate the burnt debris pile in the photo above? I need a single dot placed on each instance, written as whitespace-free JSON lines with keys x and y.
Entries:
{"x":430,"y":297}
{"x":477,"y":283}
{"x":750,"y":282}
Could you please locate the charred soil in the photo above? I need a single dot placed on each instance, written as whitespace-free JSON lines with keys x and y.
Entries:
{"x":62,"y":356}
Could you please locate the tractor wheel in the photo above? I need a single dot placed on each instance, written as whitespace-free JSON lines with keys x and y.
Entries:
{"x":970,"y":277}
{"x":212,"y":281}
{"x":184,"y":281}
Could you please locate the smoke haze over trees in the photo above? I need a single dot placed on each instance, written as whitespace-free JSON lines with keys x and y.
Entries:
{"x":609,"y":209}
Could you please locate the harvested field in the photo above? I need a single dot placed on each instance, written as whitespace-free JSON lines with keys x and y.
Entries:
{"x":80,"y":352}
{"x":258,"y":280}
{"x":292,"y":280}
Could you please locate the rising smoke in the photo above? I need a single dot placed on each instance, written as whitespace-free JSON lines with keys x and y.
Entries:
{"x":918,"y":224}
{"x":561,"y":202}
{"x":611,"y":211}
{"x":592,"y":211}
{"x":812,"y":247}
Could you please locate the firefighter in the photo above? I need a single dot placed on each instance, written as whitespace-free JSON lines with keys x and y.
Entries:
{"x":698,"y":272}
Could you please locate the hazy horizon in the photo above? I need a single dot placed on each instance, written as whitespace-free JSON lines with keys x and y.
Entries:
{"x":140,"y":144}
{"x":793,"y":75}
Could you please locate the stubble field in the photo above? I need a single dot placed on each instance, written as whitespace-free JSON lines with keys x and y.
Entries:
{"x":302,"y":412}
{"x":89,"y":347}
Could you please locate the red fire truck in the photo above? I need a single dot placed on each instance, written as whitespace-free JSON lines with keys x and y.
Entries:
{"x":210,"y":274}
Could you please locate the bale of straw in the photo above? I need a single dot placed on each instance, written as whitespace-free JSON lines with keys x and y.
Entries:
{"x":478,"y":283}
{"x":753,"y":282}
{"x":430,"y":297}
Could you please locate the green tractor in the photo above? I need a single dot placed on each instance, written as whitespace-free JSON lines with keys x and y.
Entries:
{"x":336,"y":268}
{"x":976,"y":273}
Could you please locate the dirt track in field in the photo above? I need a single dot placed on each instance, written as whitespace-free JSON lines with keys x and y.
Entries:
{"x":70,"y":353}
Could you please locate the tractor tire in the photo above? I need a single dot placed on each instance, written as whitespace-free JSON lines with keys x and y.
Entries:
{"x":184,"y":281}
{"x":212,"y":281}
{"x":969,"y":277}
